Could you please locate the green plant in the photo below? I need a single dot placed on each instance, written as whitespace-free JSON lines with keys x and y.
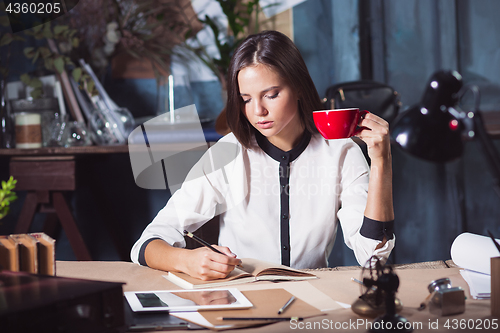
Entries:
{"x":243,"y":19}
{"x":51,"y":58}
{"x":7,"y":196}
{"x":238,"y":16}
{"x":145,"y":30}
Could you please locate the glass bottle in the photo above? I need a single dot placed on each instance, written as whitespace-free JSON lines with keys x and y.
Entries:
{"x":5,"y":119}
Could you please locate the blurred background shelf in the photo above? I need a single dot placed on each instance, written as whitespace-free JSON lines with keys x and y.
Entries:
{"x":54,"y":151}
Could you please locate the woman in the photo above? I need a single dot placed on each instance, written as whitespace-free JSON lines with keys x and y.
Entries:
{"x":283,"y":192}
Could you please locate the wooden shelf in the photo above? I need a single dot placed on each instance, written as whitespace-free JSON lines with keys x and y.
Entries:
{"x":50,"y":151}
{"x":88,"y":150}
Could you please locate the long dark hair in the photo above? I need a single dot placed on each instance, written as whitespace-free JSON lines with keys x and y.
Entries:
{"x":279,"y":53}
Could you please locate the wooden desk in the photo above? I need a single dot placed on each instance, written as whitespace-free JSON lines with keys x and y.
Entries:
{"x":335,"y":283}
{"x":45,"y":173}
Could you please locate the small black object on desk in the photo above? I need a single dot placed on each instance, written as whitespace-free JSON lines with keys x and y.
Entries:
{"x":43,"y":303}
{"x":387,"y":283}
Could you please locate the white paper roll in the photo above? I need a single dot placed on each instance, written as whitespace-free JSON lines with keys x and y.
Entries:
{"x":473,"y":252}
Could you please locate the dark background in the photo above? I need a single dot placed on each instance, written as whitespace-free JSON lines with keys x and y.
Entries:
{"x":400,"y":43}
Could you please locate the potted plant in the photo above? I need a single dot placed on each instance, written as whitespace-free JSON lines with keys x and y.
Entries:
{"x":7,"y":196}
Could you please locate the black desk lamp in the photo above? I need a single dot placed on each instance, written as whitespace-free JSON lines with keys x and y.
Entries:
{"x":435,"y":128}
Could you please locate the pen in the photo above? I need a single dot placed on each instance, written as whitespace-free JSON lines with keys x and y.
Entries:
{"x":494,"y":241}
{"x":423,"y":305}
{"x":204,"y":243}
{"x":283,"y":308}
{"x":262,"y":318}
{"x":361,"y":283}
{"x":357,"y":281}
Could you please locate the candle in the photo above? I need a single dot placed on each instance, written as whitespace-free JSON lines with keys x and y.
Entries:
{"x":28,"y":130}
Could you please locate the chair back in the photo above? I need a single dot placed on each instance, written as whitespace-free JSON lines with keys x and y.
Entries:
{"x":376,"y":97}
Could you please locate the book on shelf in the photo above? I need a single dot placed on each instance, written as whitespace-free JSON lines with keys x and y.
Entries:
{"x":252,"y":270}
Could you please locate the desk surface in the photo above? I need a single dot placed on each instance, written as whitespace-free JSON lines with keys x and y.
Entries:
{"x":336,"y":283}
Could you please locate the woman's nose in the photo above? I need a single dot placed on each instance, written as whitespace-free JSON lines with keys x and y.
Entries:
{"x":260,"y":109}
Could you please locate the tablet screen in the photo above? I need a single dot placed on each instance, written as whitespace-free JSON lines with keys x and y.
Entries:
{"x":187,"y":300}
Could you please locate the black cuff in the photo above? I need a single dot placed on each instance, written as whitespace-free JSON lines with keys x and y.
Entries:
{"x":142,"y":251}
{"x":377,"y":230}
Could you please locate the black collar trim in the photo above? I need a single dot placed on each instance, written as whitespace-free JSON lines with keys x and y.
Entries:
{"x":278,"y":154}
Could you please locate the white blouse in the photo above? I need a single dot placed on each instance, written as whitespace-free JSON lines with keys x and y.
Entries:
{"x":262,"y":191}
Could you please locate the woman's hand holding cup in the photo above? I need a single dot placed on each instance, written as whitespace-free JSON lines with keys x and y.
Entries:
{"x":345,"y":123}
{"x":375,"y":133}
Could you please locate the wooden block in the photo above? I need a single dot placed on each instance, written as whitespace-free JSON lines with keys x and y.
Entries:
{"x":9,"y":255}
{"x":27,"y":253}
{"x":495,"y":286}
{"x":46,"y":253}
{"x":44,"y":175}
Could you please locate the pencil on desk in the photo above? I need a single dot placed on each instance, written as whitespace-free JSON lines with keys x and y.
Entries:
{"x":204,"y":243}
{"x":287,"y":304}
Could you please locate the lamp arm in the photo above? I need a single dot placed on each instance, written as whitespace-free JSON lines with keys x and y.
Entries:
{"x":489,"y":150}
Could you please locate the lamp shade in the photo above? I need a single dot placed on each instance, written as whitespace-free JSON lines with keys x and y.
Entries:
{"x":427,"y":130}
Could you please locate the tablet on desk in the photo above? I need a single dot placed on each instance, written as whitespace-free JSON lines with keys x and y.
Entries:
{"x":186,"y":300}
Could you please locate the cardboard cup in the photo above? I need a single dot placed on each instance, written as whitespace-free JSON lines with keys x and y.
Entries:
{"x":28,"y":130}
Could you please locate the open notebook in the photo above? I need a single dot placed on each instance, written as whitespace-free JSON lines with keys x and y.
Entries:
{"x":253,"y":270}
{"x":473,"y":252}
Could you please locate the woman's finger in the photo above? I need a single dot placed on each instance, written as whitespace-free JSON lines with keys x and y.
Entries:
{"x":375,"y":118}
{"x":375,"y":126}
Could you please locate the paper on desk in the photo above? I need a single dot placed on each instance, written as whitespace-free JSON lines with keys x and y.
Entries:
{"x":301,"y":289}
{"x":479,"y":284}
{"x":473,"y":252}
{"x":265,"y":304}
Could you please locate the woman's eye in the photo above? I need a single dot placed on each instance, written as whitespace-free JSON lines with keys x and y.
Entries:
{"x":246,"y":101}
{"x":273,"y":96}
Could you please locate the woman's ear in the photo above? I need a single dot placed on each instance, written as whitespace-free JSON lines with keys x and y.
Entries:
{"x":298,"y":95}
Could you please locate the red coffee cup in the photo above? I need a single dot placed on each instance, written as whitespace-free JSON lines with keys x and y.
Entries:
{"x":338,"y":123}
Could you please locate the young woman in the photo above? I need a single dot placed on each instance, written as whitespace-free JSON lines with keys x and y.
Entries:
{"x":286,"y":188}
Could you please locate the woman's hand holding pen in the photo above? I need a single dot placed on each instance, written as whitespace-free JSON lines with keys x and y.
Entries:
{"x":202,"y":263}
{"x":206,"y":264}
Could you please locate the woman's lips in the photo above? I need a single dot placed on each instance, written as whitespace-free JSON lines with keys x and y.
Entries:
{"x":265,"y":124}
